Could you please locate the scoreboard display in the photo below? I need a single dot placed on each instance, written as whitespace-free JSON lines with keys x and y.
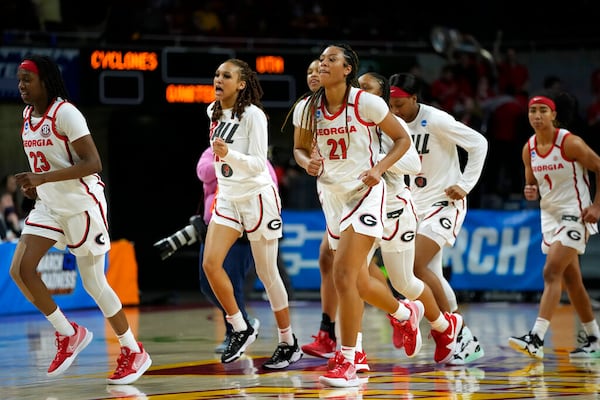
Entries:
{"x":172,"y":75}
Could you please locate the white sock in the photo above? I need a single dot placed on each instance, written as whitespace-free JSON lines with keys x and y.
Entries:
{"x":237,"y":321}
{"x":440,"y":324}
{"x":349,"y":353}
{"x":286,"y":336}
{"x":591,"y":328}
{"x":128,"y":340}
{"x":359,"y":347}
{"x":402,"y":313}
{"x":540,"y":327}
{"x":61,"y":323}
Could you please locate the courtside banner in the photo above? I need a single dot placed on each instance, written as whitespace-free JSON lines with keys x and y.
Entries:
{"x":302,"y":235}
{"x":498,"y":250}
{"x":58,"y":270}
{"x":495,"y":250}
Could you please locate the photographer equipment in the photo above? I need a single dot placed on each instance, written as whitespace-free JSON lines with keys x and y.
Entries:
{"x":195,"y":231}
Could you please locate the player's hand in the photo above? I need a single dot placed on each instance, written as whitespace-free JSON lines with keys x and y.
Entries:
{"x":220,"y":148}
{"x":28,"y":180}
{"x":30,"y":193}
{"x":530,"y":192}
{"x":591,"y":214}
{"x":370,"y":177}
{"x":455,"y":192}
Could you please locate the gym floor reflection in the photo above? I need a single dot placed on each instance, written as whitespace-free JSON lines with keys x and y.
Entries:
{"x":181,"y":340}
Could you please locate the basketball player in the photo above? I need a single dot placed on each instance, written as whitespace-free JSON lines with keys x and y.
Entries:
{"x":70,"y":211}
{"x":336,"y":141}
{"x":247,"y":200}
{"x":439,"y":191}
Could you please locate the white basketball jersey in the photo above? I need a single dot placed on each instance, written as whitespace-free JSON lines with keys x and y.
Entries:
{"x":47,"y":144}
{"x":348,"y":140}
{"x":243,"y":172}
{"x":563,"y":184}
{"x":436,"y":135}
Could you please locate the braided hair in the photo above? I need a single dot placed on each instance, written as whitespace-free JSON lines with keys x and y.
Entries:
{"x":310,"y":110}
{"x":251,"y":94}
{"x":50,"y":75}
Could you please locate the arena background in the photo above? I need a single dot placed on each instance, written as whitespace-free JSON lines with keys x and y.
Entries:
{"x":150,"y":146}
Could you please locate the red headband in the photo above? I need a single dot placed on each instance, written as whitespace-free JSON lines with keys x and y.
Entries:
{"x":29,"y":65}
{"x":542,"y":100}
{"x":398,"y":93}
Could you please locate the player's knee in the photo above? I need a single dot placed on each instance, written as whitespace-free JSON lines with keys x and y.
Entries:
{"x":413,"y":289}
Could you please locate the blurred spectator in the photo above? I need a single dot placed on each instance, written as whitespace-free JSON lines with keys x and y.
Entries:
{"x":22,"y":205}
{"x":309,"y":19}
{"x":49,"y":15}
{"x":206,"y":20}
{"x":592,"y":136}
{"x":445,"y":90}
{"x":10,"y":225}
{"x":513,"y":76}
{"x":507,"y":128}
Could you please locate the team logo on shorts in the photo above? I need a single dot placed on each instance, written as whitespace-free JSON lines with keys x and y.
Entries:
{"x":99,"y":239}
{"x":574,"y":235}
{"x":445,"y":223}
{"x":226,"y":170}
{"x":274,"y":224}
{"x":408,"y":236}
{"x":368,"y":220}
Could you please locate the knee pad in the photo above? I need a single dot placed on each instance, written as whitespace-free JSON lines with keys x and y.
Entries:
{"x":91,"y":269}
{"x":399,"y":267}
{"x":265,"y":260}
{"x":450,"y":295}
{"x":436,"y":266}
